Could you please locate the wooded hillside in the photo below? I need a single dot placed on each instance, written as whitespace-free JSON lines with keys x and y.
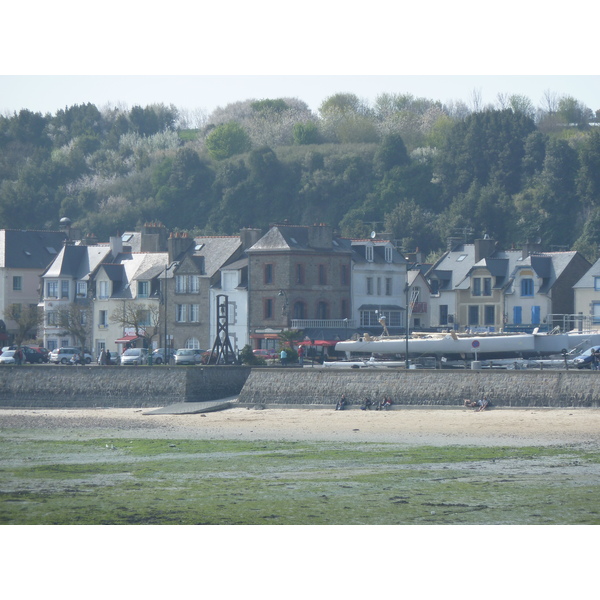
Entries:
{"x":416,"y":168}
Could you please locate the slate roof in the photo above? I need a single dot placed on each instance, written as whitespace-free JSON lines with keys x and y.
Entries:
{"x":216,"y":250}
{"x":358,"y":248}
{"x":587,"y":281}
{"x":451,"y":269}
{"x":77,"y":261}
{"x":293,"y":237}
{"x":29,"y":249}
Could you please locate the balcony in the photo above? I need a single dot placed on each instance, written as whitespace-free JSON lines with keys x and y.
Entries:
{"x":323,"y":323}
{"x":419,"y":307}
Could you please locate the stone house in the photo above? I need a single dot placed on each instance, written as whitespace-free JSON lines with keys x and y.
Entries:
{"x":24,"y":255}
{"x":299,"y":278}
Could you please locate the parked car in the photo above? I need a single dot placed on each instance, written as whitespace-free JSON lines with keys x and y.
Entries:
{"x":188,"y":356}
{"x":584,"y":361}
{"x":45,"y":353}
{"x":158,"y":356}
{"x":63,"y":356}
{"x":134,"y":356}
{"x":266,"y":354}
{"x":33,"y":355}
{"x":7,"y":357}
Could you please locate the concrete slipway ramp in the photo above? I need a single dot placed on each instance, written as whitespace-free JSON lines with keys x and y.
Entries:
{"x":192,"y":408}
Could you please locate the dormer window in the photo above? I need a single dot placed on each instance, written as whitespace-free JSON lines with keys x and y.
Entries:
{"x":103,"y":292}
{"x":143,"y":289}
{"x":369,"y":253}
{"x":388,"y":254}
{"x":81,"y":289}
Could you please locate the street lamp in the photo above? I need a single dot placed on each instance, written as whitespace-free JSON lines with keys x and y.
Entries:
{"x":165,"y":296}
{"x":407,"y":290}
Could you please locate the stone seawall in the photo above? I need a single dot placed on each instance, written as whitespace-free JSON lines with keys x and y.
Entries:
{"x":52,"y":386}
{"x":504,"y":388}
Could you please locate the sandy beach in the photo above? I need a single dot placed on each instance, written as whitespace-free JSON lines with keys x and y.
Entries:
{"x":504,"y":427}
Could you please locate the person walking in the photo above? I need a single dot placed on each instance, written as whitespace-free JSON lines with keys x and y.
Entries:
{"x":301,"y":355}
{"x":283,"y":357}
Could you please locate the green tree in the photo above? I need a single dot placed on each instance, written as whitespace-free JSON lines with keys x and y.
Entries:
{"x":306,"y":133}
{"x":227,"y":140}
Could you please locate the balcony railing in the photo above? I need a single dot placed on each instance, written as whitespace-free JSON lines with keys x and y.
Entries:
{"x":419,"y":307}
{"x":323,"y":323}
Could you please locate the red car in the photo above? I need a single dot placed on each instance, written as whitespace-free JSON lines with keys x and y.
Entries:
{"x":266,"y":354}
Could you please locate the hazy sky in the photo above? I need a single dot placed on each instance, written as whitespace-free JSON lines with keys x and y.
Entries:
{"x":50,"y":93}
{"x":196,"y":55}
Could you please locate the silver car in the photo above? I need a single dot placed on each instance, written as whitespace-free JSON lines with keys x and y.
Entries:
{"x":188,"y":356}
{"x":134,"y":356}
{"x":63,"y":356}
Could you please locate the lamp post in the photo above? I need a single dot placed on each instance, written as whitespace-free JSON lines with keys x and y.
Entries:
{"x":165,"y":296}
{"x":407,"y":290}
{"x":284,"y":308}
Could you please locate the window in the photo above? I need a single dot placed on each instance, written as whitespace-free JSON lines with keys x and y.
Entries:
{"x":369,"y":253}
{"x":192,"y":344}
{"x":187,"y":284}
{"x":489,"y":315}
{"x":487,"y":286}
{"x":300,"y":274}
{"x":17,"y":283}
{"x":181,"y":313}
{"x":443,"y":314}
{"x":322,"y":275}
{"x":299,"y":311}
{"x":527,"y":287}
{"x":345,"y":311}
{"x":435,"y":287}
{"x":597,"y":284}
{"x":52,"y":318}
{"x":52,"y":289}
{"x":194,"y":313}
{"x":64,"y":288}
{"x":388,"y":286}
{"x":596,"y":313}
{"x":473,"y":315}
{"x":517,"y":315}
{"x":103,"y":290}
{"x":388,"y":254}
{"x":180,"y":284}
{"x":143,"y":289}
{"x":268,"y":308}
{"x":103,"y":319}
{"x":194,"y":284}
{"x":370,"y":318}
{"x":476,"y":287}
{"x":81,"y":289}
{"x":369,"y":286}
{"x":379,"y":286}
{"x":145,"y":320}
{"x":322,"y":310}
{"x":344,"y":275}
{"x":268,"y":274}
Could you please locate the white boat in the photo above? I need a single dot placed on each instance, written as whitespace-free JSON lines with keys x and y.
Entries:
{"x":453,"y":346}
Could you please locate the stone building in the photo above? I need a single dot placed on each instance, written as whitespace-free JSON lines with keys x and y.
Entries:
{"x":299,"y":278}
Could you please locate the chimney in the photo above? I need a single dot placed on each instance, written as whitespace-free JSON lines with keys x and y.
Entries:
{"x":320,"y":237}
{"x":177,"y":244}
{"x":452,"y":242}
{"x":116,"y":245}
{"x":153,"y":238}
{"x":530,"y":248}
{"x":484,"y":248}
{"x":90,"y":239}
{"x":249,"y":237}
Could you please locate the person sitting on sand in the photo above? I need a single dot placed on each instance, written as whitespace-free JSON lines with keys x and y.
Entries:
{"x":478,"y":405}
{"x":366,"y":405}
{"x":387,"y":402}
{"x":341,"y":403}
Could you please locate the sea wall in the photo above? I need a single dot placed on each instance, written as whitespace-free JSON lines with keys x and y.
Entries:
{"x":423,"y":388}
{"x":52,"y":386}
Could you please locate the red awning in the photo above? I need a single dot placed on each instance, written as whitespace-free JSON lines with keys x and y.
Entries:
{"x":127,"y":338}
{"x":317,"y":343}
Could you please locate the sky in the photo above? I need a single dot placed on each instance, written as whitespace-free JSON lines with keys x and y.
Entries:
{"x":48,"y":93}
{"x":199,"y":56}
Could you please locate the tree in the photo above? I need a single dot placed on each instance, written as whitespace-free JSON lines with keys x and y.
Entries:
{"x":144,"y":319}
{"x":227,"y":140}
{"x":76,"y":322}
{"x":27,"y":319}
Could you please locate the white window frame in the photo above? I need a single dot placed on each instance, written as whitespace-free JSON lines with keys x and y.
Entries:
{"x":194,"y":313}
{"x":181,"y":313}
